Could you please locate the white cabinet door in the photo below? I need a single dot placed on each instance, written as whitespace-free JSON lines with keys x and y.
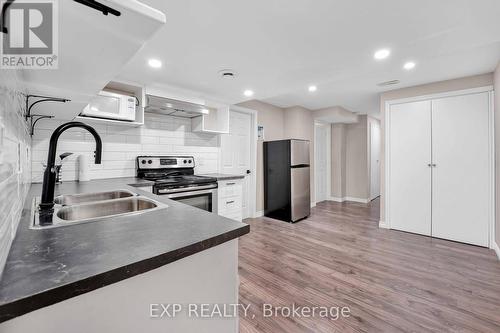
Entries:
{"x":410,"y":175}
{"x":460,"y":178}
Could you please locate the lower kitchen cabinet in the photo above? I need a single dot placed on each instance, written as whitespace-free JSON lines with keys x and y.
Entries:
{"x":230,"y":196}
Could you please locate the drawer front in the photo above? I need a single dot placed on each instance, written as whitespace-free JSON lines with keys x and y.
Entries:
{"x":230,"y":188}
{"x":230,"y":204}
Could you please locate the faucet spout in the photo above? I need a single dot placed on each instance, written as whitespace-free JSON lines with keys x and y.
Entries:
{"x":49,"y":176}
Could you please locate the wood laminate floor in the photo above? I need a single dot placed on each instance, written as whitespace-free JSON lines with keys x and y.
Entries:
{"x":391,"y":281}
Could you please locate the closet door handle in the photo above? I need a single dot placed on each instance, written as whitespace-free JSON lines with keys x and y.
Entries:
{"x":432,"y":165}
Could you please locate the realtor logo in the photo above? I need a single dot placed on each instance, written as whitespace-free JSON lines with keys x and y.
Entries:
{"x":30,"y":34}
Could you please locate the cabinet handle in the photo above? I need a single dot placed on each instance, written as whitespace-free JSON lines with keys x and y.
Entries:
{"x":432,"y":165}
{"x":230,"y":202}
{"x":230,"y":183}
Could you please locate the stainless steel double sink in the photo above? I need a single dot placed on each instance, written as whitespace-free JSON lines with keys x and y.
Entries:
{"x":88,"y":207}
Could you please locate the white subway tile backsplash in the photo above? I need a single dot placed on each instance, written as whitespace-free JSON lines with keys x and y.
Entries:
{"x":161,"y":135}
{"x":15,"y":159}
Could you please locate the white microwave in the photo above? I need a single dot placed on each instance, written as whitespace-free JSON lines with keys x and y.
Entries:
{"x":111,"y":105}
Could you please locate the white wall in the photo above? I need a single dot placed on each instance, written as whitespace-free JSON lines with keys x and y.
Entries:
{"x":161,"y":135}
{"x":15,"y":155}
{"x":299,"y":124}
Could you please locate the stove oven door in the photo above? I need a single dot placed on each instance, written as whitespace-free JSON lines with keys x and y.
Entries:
{"x":203,"y":199}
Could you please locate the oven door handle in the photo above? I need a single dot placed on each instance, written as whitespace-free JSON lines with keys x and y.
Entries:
{"x":186,"y":189}
{"x":188,"y":194}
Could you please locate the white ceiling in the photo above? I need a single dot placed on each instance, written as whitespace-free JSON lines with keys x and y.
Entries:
{"x":279,"y":47}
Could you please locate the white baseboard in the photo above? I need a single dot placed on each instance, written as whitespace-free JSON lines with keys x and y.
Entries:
{"x":259,"y":213}
{"x":352,"y":199}
{"x":497,"y":249}
{"x":357,"y":200}
{"x":383,"y":225}
{"x":313,"y":204}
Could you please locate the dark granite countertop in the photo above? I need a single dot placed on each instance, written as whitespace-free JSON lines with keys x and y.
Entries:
{"x":48,"y":266}
{"x":221,"y":176}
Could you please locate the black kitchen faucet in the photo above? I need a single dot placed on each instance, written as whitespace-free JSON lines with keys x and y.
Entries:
{"x":49,"y":177}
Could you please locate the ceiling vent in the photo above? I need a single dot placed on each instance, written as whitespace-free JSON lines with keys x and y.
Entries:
{"x":388,"y":83}
{"x":227,"y":74}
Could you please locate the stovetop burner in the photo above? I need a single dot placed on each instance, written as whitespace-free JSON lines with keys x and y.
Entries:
{"x":184,"y":180}
{"x":170,"y":171}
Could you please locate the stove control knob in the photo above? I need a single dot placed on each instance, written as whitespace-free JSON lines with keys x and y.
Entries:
{"x":190,"y":161}
{"x":150,"y":161}
{"x":143,"y":161}
{"x":185,"y":161}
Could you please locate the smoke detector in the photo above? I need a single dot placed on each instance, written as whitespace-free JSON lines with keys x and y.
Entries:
{"x":227,"y":74}
{"x":388,"y":83}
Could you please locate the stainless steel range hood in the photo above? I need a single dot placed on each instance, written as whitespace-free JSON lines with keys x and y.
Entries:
{"x":173,"y":107}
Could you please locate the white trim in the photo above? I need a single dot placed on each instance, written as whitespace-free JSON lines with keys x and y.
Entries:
{"x":259,"y":213}
{"x":383,"y":225}
{"x":361,"y":200}
{"x":387,"y":127}
{"x":496,"y":248}
{"x":313,"y":204}
{"x":440,"y":95}
{"x":336,"y":199}
{"x":492,"y":217}
{"x":252,"y":202}
{"x":352,"y":199}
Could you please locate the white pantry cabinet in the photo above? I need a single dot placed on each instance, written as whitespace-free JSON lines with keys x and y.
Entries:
{"x":230,"y":196}
{"x":440,"y":167}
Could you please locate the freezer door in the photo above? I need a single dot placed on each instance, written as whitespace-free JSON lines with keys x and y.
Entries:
{"x":299,"y":152}
{"x":301,"y":197}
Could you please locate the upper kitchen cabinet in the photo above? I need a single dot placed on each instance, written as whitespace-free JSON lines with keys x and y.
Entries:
{"x":216,"y":120}
{"x":93,"y":48}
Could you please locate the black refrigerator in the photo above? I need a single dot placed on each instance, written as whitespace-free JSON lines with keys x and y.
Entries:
{"x":287,"y":194}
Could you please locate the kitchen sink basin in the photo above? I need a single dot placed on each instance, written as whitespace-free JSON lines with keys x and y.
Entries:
{"x":73,"y":199}
{"x":86,"y":208}
{"x":105,"y":208}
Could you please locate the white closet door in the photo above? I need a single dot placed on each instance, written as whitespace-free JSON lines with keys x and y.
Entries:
{"x":374,"y":160}
{"x":410,"y":154}
{"x":460,"y":178}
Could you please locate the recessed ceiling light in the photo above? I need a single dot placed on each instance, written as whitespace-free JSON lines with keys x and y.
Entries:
{"x":155,"y":63}
{"x":312,"y":88}
{"x":382,"y":54}
{"x":409,"y":65}
{"x":248,"y":93}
